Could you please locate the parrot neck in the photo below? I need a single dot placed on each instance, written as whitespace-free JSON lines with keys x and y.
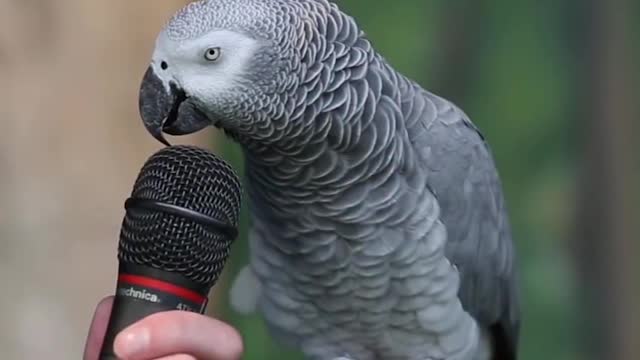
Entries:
{"x":336,"y":153}
{"x":341,"y":124}
{"x":320,"y":100}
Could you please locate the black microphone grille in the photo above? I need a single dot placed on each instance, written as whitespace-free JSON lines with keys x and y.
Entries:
{"x":180,"y":195}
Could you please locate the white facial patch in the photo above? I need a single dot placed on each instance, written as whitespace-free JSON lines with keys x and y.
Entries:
{"x":187,"y":65}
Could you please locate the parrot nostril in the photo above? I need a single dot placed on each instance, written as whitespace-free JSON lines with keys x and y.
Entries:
{"x":164,"y":65}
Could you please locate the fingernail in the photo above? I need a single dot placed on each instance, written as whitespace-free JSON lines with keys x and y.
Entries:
{"x":132,"y":342}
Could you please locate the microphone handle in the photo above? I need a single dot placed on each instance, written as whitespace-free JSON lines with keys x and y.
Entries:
{"x":142,"y":291}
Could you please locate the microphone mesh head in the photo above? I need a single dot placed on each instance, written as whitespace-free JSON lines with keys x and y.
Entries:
{"x":194,"y":179}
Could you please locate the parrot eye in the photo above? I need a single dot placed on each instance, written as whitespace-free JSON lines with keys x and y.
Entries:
{"x":212,"y":54}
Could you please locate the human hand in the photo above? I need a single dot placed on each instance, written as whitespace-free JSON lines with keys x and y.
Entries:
{"x":171,"y":335}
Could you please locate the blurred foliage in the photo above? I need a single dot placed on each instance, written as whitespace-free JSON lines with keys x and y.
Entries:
{"x":520,"y":89}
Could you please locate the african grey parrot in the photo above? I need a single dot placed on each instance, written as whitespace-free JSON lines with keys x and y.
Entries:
{"x":379,"y":229}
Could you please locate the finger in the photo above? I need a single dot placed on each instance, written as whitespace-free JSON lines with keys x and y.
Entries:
{"x":98,"y":328}
{"x":178,"y":332}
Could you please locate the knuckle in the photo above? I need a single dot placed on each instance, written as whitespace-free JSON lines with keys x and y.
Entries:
{"x":168,"y":325}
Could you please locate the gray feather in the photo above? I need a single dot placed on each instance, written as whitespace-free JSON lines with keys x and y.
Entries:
{"x":466,"y":183}
{"x":379,"y":227}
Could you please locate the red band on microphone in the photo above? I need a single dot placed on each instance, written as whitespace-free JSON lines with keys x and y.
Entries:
{"x":162,"y":286}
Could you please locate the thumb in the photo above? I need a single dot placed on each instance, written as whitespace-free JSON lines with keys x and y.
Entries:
{"x":98,"y":329}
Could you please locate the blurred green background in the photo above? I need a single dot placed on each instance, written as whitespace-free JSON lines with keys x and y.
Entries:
{"x":551,"y":84}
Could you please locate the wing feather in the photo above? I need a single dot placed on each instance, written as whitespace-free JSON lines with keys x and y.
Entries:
{"x":466,"y":183}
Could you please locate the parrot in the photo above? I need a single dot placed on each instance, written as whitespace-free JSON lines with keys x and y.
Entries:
{"x":378,"y":225}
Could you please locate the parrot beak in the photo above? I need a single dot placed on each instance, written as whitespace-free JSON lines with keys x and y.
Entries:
{"x":171,"y":112}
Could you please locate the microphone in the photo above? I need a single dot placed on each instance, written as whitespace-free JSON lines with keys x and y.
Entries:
{"x":180,"y":221}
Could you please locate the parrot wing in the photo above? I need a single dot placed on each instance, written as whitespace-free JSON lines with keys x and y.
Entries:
{"x":464,"y":179}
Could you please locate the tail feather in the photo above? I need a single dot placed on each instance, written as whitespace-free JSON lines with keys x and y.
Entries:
{"x":503,"y":347}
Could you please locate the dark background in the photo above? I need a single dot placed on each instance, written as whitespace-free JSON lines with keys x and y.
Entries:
{"x":552,"y":85}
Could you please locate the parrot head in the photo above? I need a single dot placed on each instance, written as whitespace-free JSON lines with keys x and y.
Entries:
{"x":225,"y":63}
